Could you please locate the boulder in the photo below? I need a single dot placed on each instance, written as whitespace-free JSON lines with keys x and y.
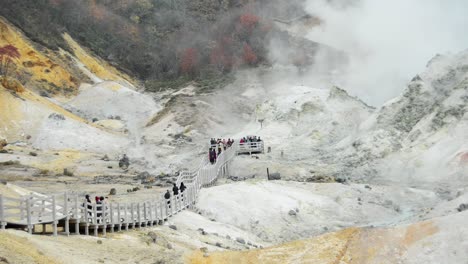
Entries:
{"x":152,"y":235}
{"x":173,"y":227}
{"x":462,"y":207}
{"x":320,"y":179}
{"x":56,"y":116}
{"x":204,"y":249}
{"x":3,"y":143}
{"x":274,"y":176}
{"x":67,"y":172}
{"x":113,"y":191}
{"x":240,"y":240}
{"x":292,"y":213}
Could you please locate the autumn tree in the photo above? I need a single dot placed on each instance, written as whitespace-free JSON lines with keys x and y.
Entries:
{"x":8,"y":54}
{"x":188,"y":61}
{"x":249,"y":55}
{"x":221,"y":55}
{"x":249,"y":20}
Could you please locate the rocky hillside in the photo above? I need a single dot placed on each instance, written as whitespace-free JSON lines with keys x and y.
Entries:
{"x":164,"y":43}
{"x":419,"y":136}
{"x":416,"y":138}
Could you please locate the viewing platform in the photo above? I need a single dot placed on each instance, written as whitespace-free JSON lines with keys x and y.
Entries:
{"x":251,"y":148}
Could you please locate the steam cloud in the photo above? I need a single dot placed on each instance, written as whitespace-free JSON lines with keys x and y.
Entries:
{"x":388,"y":42}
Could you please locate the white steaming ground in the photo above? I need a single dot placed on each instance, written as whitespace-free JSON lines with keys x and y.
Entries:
{"x":388,"y":41}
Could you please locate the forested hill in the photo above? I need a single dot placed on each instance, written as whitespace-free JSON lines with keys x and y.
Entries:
{"x":162,"y":42}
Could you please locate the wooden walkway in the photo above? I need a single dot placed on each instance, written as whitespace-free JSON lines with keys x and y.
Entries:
{"x":73,"y":214}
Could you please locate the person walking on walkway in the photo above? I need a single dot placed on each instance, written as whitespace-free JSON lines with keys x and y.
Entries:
{"x":220,"y":148}
{"x":182,"y":189}
{"x":167,"y":196}
{"x":98,"y":207}
{"x":88,"y":205}
{"x":175,"y":190}
{"x":211,"y":156}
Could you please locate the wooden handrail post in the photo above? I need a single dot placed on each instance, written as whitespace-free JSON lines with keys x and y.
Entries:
{"x":111,"y":213}
{"x":150,"y":209}
{"x":95,"y":219}
{"x":54,"y":215}
{"x":28,"y":214}
{"x":2,"y":213}
{"x":145,"y":213}
{"x":133,"y":217}
{"x":22,"y":202}
{"x":65,"y":211}
{"x":126,"y":217}
{"x":157,"y":212}
{"x":104,"y":217}
{"x":139,"y":215}
{"x":77,"y":217}
{"x":86,"y":217}
{"x":119,"y":227}
{"x":162,"y":205}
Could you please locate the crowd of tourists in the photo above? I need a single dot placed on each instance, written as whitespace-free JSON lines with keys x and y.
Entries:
{"x":249,"y":139}
{"x":175,"y":190}
{"x":216,"y":148}
{"x":99,"y":200}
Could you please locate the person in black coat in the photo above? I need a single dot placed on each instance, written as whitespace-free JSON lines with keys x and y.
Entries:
{"x":88,"y":201}
{"x":182,"y":187}
{"x":211,"y":156}
{"x":88,"y":205}
{"x":167,"y":196}
{"x":175,"y":190}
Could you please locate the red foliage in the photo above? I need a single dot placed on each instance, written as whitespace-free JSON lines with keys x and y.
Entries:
{"x":249,"y":55}
{"x":220,"y":56}
{"x":188,"y":60}
{"x":7,"y":54}
{"x":98,"y":11}
{"x":249,"y":20}
{"x":9,"y":51}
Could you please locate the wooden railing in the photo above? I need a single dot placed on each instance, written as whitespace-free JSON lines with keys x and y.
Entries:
{"x":250,"y":147}
{"x":74,"y":211}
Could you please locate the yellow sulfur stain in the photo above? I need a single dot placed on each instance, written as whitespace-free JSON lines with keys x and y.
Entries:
{"x":28,"y":95}
{"x":329,"y":249}
{"x":419,"y":231}
{"x":348,"y":246}
{"x":98,"y":67}
{"x":65,"y":159}
{"x":14,"y":122}
{"x":19,"y":250}
{"x":10,"y":114}
{"x":41,"y":68}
